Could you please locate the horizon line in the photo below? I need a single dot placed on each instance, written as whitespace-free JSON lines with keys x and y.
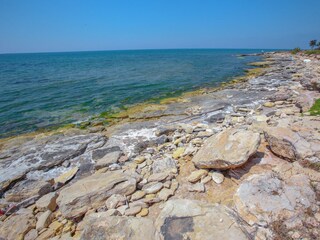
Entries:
{"x":143,"y":49}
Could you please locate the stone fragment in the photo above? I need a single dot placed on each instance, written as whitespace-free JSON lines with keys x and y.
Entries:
{"x":102,"y":226}
{"x":152,"y":187}
{"x":178,"y":152}
{"x":198,"y":187}
{"x":108,"y":159}
{"x":132,"y":211}
{"x":197,"y":175}
{"x":113,"y":212}
{"x":27,"y":189}
{"x":137,"y":195}
{"x":67,"y":176}
{"x":287,"y":144}
{"x":139,"y":159}
{"x":47,"y":202}
{"x":190,"y":219}
{"x":164,"y":165}
{"x":17,"y":225}
{"x":116,"y":200}
{"x":269,"y":104}
{"x":217,"y":177}
{"x":228,"y":149}
{"x":44,"y":220}
{"x":91,"y":192}
{"x":206,"y":179}
{"x":165,"y":193}
{"x":31,"y":235}
{"x":144,"y":212}
{"x":158,"y":177}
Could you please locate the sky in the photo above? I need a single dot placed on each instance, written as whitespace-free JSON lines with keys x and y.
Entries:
{"x":85,"y":25}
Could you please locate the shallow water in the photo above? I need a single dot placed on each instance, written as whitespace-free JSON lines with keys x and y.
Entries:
{"x":47,"y":89}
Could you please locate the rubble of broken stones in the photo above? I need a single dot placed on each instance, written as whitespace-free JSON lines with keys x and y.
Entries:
{"x":84,"y":186}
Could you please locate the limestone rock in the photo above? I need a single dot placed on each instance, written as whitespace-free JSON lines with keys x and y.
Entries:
{"x":228,"y":149}
{"x":108,"y":159}
{"x":47,"y":202}
{"x":102,"y":226}
{"x":158,"y":177}
{"x":198,"y":187}
{"x":197,"y":175}
{"x":152,"y":187}
{"x":268,"y":197}
{"x":17,"y":225}
{"x":31,"y":235}
{"x":165,"y":193}
{"x":92,"y":191}
{"x":137,"y":195}
{"x":116,"y":200}
{"x":44,"y":220}
{"x":67,"y":176}
{"x":194,"y":220}
{"x":217,"y":177}
{"x":132,"y":211}
{"x":287,"y":144}
{"x":164,"y":165}
{"x":27,"y":189}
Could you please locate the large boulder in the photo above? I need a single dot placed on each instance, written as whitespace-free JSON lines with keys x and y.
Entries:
{"x":228,"y":149}
{"x":91,"y":192}
{"x":195,"y":220}
{"x":102,"y":226}
{"x":267,"y":197}
{"x":287,"y":144}
{"x":17,"y":225}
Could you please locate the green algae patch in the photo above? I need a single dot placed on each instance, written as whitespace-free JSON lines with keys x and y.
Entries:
{"x":315,"y":109}
{"x":261,"y":64}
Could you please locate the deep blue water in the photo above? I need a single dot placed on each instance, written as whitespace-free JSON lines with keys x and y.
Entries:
{"x":45,"y":89}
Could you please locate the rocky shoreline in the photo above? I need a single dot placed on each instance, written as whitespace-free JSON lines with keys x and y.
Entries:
{"x":242,"y":162}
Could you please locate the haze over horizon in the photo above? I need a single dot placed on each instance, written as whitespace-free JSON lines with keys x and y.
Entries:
{"x":63,"y":26}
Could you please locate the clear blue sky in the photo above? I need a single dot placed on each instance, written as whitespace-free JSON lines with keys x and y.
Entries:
{"x":72,"y":25}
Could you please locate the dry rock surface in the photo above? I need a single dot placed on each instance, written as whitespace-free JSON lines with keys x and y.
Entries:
{"x":238,"y":162}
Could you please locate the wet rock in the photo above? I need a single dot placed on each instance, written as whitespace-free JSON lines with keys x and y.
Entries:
{"x":92,"y":191}
{"x":228,"y":149}
{"x":267,"y":197}
{"x":164,"y":165}
{"x":102,"y":226}
{"x":216,"y":118}
{"x":108,"y":159}
{"x":47,"y":202}
{"x":27,"y":189}
{"x":101,"y":152}
{"x":190,"y":219}
{"x":287,"y":144}
{"x":197,"y":175}
{"x":17,"y":225}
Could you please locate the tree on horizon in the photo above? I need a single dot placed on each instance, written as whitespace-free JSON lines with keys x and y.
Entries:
{"x":313,"y":43}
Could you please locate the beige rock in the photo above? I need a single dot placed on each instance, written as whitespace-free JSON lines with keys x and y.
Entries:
{"x":17,"y":225}
{"x":116,"y":200}
{"x":158,"y":177}
{"x":152,"y":187}
{"x":92,"y":191}
{"x":137,"y":195}
{"x":217,"y":177}
{"x":67,"y":176}
{"x":31,"y":235}
{"x":230,"y":148}
{"x":132,"y":211}
{"x":198,"y":187}
{"x":101,"y":226}
{"x":165,"y":193}
{"x":56,"y":226}
{"x":108,"y":159}
{"x":190,"y":219}
{"x":47,"y":202}
{"x":140,"y":159}
{"x":197,"y":175}
{"x":178,"y":152}
{"x":288,"y":144}
{"x":44,"y":220}
{"x":269,"y":104}
{"x":144,"y":212}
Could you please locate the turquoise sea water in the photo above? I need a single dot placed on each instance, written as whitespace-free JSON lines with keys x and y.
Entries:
{"x":41,"y":90}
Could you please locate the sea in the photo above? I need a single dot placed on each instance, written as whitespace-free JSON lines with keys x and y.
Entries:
{"x":45,"y":90}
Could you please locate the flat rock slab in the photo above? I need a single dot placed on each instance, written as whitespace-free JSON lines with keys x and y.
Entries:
{"x":228,"y":149}
{"x":267,"y":197}
{"x":92,"y":191}
{"x":194,"y":220}
{"x":101,"y":226}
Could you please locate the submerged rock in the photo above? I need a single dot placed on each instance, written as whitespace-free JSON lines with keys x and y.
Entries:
{"x":228,"y":149}
{"x":91,"y":192}
{"x":194,"y":220}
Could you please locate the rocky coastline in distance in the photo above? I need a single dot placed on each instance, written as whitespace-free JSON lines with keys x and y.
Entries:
{"x":238,"y":162}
